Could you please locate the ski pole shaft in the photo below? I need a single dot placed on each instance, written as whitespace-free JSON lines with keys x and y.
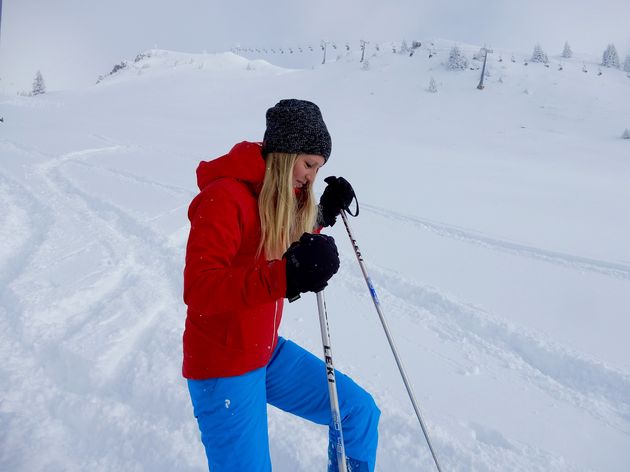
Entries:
{"x":332,"y":384}
{"x":401,"y":368}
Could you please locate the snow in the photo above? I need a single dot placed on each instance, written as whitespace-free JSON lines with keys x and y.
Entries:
{"x":494,"y":225}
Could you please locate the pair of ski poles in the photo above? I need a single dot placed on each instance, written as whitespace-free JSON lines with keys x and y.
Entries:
{"x":330,"y":370}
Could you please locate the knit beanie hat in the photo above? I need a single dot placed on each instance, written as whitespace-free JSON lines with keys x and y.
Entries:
{"x":296,"y":126}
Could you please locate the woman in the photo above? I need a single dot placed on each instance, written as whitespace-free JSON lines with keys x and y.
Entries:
{"x":250,"y":246}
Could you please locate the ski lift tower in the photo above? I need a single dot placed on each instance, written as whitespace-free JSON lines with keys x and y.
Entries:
{"x":483,"y":69}
{"x":363,"y":44}
{"x":324,"y":44}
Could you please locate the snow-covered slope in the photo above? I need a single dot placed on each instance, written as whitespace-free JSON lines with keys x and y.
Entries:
{"x":494,"y":224}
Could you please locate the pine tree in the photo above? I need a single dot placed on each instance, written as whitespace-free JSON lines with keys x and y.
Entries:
{"x":567,"y":52}
{"x":626,"y":64}
{"x":38,"y":84}
{"x":610,"y":58}
{"x":432,"y":86}
{"x":626,"y":134}
{"x":539,"y":55}
{"x":456,"y":60}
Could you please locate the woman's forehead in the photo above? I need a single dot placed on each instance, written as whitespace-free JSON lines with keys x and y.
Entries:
{"x":313,"y":157}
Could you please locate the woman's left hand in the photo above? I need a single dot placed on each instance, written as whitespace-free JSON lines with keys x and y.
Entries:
{"x":337,"y":196}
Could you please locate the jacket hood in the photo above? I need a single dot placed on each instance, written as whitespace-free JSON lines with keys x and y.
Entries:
{"x":244,"y":162}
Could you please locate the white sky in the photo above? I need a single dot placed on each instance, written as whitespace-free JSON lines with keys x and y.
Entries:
{"x":73,"y":41}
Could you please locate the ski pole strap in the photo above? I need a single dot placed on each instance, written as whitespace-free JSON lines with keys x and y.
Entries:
{"x":356,"y":202}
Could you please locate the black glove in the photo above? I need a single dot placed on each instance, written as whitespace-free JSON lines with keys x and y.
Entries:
{"x":337,"y":196}
{"x":311,"y":262}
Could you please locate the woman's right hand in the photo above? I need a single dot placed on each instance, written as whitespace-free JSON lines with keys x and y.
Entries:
{"x":311,"y":262}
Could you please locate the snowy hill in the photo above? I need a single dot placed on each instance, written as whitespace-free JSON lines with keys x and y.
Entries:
{"x":494,"y":224}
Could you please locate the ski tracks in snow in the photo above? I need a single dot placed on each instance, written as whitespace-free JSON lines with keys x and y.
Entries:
{"x":564,"y":374}
{"x":93,"y":304}
{"x":490,"y":347}
{"x":611,"y":269}
{"x":580,"y":377}
{"x":497,"y":348}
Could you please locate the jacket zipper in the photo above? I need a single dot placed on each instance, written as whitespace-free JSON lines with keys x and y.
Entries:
{"x":273,"y":335}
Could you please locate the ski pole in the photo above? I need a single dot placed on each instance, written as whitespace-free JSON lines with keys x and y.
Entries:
{"x":377,"y":304}
{"x":332,"y":385}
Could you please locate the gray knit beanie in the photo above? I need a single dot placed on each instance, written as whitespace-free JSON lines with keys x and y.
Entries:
{"x":296,"y":126}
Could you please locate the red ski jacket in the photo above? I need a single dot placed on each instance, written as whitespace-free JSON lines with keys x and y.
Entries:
{"x":234,"y":297}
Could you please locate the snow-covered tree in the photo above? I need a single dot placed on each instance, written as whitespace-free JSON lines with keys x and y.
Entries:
{"x":567,"y":52}
{"x":480,"y":55}
{"x":365,"y":65}
{"x":432,"y":86}
{"x":38,"y":84}
{"x":404,"y":48}
{"x":539,"y":55}
{"x":115,"y":69}
{"x":610,"y":58}
{"x":142,"y":55}
{"x":626,"y":64}
{"x":456,"y":60}
{"x":626,"y":134}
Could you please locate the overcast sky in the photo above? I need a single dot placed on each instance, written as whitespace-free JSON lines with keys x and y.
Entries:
{"x":73,"y":41}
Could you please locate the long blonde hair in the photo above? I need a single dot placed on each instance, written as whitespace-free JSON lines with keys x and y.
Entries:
{"x":284,"y":215}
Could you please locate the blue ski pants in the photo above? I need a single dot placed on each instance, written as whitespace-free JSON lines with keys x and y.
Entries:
{"x":232,"y":411}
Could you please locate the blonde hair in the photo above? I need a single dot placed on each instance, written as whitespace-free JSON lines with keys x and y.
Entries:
{"x":284,"y":215}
